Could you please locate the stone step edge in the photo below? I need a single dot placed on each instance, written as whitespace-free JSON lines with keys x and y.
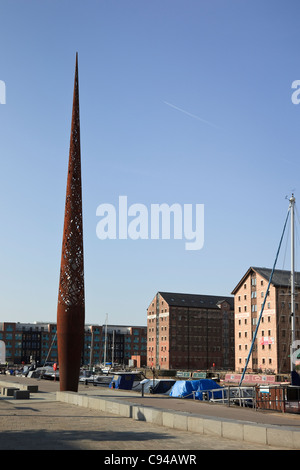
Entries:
{"x":271,"y":435}
{"x":29,"y":388}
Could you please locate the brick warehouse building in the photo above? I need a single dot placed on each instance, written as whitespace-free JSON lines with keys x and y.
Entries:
{"x":186,"y":331}
{"x":27,"y":342}
{"x":271,"y":350}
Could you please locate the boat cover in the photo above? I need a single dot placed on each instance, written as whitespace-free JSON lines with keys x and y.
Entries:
{"x":189,"y":388}
{"x":124,"y":381}
{"x":163,"y":386}
{"x":159,"y":386}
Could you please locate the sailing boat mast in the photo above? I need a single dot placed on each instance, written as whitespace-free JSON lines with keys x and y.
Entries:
{"x":292,"y":347}
{"x":113,"y":349}
{"x":105,"y":341}
{"x":292,"y":204}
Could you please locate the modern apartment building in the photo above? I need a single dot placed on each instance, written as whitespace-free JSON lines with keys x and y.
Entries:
{"x":271,"y":350}
{"x":186,"y":331}
{"x":122,"y":343}
{"x":27,"y":342}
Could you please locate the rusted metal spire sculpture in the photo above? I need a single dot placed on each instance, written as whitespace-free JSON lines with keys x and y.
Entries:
{"x":71,"y":306}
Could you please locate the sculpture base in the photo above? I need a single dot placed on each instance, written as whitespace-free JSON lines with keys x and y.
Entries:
{"x":70,"y":339}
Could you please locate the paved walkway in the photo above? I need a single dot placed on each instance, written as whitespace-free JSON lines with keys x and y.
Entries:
{"x":42,"y":423}
{"x":197,"y":407}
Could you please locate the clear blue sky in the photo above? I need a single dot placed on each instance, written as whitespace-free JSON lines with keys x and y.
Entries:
{"x":180,"y":102}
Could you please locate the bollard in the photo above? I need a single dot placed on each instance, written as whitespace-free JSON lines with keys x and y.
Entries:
{"x":21,"y":394}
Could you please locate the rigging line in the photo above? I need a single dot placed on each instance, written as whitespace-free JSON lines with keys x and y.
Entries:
{"x":50,"y":348}
{"x":265,"y":298}
{"x":297,"y":234}
{"x":281,"y":306}
{"x":296,"y":245}
{"x":297,"y":213}
{"x":298,"y":240}
{"x":281,"y":301}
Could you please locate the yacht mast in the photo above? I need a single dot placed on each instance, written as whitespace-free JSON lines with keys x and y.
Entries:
{"x":113,"y":349}
{"x":292,"y":204}
{"x":105,"y":341}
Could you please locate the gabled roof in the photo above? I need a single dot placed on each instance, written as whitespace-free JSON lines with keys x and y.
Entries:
{"x":195,"y":300}
{"x":281,"y":278}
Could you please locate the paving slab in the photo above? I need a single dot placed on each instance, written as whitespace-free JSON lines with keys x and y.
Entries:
{"x":102,"y":414}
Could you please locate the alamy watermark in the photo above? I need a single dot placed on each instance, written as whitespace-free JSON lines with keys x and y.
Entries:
{"x":137,"y":222}
{"x":2,"y":92}
{"x":296,"y":94}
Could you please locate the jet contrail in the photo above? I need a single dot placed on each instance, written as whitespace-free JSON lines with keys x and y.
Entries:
{"x":190,"y":114}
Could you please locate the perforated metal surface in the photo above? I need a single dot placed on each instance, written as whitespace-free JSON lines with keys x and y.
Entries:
{"x":71,"y":305}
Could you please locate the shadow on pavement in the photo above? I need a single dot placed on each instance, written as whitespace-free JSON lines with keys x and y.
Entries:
{"x":71,"y":440}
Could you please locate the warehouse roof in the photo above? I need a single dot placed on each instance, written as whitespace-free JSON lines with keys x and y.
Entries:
{"x":195,"y":300}
{"x":281,"y":278}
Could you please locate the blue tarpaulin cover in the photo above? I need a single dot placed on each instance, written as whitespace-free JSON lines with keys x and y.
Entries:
{"x":185,"y":388}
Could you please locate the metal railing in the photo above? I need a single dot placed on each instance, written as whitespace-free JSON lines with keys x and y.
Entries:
{"x":231,"y":395}
{"x":276,"y":398}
